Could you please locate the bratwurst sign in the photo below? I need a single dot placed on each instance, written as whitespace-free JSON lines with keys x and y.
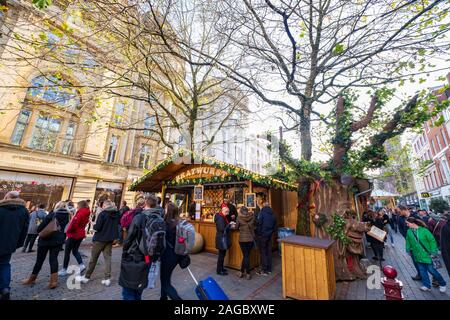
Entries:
{"x":201,"y":172}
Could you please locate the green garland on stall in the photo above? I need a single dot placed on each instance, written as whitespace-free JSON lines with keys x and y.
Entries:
{"x":241,"y":173}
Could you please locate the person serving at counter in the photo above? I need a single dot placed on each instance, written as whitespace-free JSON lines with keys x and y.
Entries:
{"x":223,"y":240}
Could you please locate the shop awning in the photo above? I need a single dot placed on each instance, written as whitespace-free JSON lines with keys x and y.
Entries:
{"x":383,"y":194}
{"x":172,"y":172}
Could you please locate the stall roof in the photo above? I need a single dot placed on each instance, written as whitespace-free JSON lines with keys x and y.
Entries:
{"x":169,"y":168}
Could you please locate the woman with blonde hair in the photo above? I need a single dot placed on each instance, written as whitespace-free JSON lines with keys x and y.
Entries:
{"x":51,"y":244}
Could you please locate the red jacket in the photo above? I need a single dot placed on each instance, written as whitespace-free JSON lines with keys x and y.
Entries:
{"x":77,"y":226}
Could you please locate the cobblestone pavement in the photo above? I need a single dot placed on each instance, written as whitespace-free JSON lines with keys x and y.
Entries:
{"x":203,"y":265}
{"x":398,"y":258}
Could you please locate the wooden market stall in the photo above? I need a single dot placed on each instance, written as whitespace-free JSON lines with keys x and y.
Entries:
{"x":207,"y":182}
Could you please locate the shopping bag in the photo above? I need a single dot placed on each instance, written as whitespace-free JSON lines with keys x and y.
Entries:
{"x":153,"y":274}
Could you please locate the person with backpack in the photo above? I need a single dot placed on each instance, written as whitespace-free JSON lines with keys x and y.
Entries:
{"x":128,"y":216}
{"x":36,"y":219}
{"x":144,"y":244}
{"x":223,"y":241}
{"x":169,"y":259}
{"x":124,"y":208}
{"x":421,"y":245}
{"x":76,"y":232}
{"x":50,"y":244}
{"x":266,"y":226}
{"x":105,"y":233}
{"x":246,"y":225}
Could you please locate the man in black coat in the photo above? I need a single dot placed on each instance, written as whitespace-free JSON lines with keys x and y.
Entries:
{"x":266,"y":226}
{"x":106,"y":231}
{"x":134,"y":267}
{"x":14,"y":220}
{"x":445,"y":242}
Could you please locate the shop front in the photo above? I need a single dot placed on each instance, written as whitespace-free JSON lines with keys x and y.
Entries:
{"x":206,"y":182}
{"x":36,"y":189}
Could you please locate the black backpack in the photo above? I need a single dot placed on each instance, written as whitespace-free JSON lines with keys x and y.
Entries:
{"x":153,"y":240}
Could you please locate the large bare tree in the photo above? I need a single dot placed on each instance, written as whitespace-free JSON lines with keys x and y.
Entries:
{"x":131,"y":50}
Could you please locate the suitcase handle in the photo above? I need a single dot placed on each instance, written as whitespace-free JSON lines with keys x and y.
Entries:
{"x":190,"y":272}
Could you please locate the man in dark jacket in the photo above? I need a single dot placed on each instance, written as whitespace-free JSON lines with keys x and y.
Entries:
{"x":445,"y":242}
{"x":14,"y":220}
{"x":266,"y":225}
{"x":106,"y":231}
{"x":134,"y":269}
{"x":233,"y":211}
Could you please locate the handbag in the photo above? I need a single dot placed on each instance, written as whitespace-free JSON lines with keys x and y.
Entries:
{"x":435,"y":259}
{"x":133,"y":272}
{"x":184,"y":261}
{"x":50,"y":228}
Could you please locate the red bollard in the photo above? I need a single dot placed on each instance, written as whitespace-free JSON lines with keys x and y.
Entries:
{"x":392,"y":287}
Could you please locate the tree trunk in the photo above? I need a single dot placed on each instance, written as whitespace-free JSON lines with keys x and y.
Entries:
{"x":305,"y":137}
{"x":303,"y":217}
{"x":304,"y":184}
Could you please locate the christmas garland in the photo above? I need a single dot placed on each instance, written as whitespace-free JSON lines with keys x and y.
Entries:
{"x":237,"y":172}
{"x":336,"y":229}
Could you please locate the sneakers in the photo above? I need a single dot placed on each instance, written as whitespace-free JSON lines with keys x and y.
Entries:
{"x":106,"y":282}
{"x":82,"y":268}
{"x":442,"y":289}
{"x":417,"y":278}
{"x":62,"y":272}
{"x":423,"y":288}
{"x":82,"y":279}
{"x":248,"y":276}
{"x":262,"y":273}
{"x":240,"y":274}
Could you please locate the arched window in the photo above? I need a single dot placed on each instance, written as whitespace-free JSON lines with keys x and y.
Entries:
{"x":55,"y":91}
{"x":44,"y":123}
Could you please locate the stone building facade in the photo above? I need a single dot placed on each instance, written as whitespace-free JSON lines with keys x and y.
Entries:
{"x":51,"y":147}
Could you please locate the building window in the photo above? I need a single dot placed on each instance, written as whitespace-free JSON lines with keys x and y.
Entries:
{"x":444,"y":138}
{"x":55,"y":91}
{"x":149,"y":122}
{"x":68,"y":139}
{"x":434,"y":147}
{"x":45,"y":133}
{"x":21,"y":125}
{"x":438,"y":140}
{"x":145,"y":156}
{"x":118,"y":114}
{"x":112,"y":151}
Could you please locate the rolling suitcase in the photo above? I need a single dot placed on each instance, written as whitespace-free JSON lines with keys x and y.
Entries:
{"x":208,"y":289}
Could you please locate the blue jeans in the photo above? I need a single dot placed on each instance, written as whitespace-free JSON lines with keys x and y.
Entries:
{"x":390,"y":231}
{"x":424,"y":268}
{"x":131,"y":294}
{"x":5,"y":271}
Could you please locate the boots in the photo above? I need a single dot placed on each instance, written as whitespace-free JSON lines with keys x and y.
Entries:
{"x":53,"y":281}
{"x":30,"y":280}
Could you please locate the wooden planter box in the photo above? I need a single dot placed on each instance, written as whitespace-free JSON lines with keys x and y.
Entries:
{"x":308,"y":268}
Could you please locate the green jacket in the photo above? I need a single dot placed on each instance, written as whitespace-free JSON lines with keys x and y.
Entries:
{"x":427,"y":240}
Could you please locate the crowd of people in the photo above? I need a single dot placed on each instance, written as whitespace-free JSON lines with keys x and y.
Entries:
{"x":65,"y":227}
{"x":425,"y":233}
